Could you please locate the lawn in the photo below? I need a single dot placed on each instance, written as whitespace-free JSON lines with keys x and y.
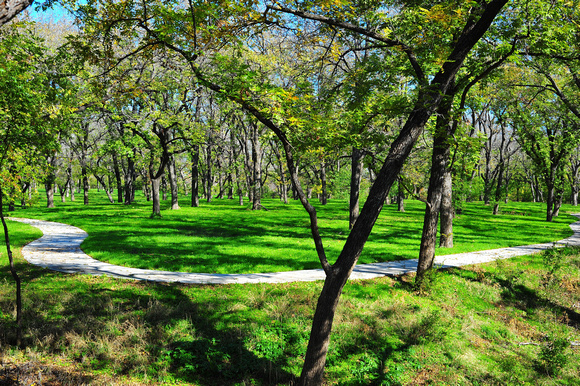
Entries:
{"x":223,"y":237}
{"x":502,"y":323}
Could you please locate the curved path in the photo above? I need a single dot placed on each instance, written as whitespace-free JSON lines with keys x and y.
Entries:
{"x":59,"y":250}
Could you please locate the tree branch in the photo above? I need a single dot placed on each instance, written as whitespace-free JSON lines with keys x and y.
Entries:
{"x":362,"y":31}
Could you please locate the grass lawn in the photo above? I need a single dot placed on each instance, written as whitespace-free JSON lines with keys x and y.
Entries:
{"x":223,"y":237}
{"x":503,"y":323}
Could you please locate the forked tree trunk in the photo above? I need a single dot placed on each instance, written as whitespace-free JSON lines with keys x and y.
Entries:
{"x":439,"y":167}
{"x":428,"y":100}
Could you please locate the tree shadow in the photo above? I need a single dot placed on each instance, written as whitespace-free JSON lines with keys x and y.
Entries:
{"x":520,"y":296}
{"x":141,"y":329}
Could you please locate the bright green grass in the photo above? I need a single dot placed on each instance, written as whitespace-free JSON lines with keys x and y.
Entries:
{"x":479,"y":325}
{"x":223,"y":237}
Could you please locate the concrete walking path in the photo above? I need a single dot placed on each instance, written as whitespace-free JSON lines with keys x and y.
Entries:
{"x":59,"y":250}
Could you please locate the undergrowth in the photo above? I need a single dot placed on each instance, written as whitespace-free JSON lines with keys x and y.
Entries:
{"x":497,"y":323}
{"x":512,"y":321}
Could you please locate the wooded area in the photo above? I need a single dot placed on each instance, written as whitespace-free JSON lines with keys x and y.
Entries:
{"x":444,"y":101}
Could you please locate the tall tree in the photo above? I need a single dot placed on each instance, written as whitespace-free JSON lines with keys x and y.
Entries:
{"x":282,"y":111}
{"x":25,"y":131}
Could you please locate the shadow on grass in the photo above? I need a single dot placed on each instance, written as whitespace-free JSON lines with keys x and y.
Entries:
{"x":138,"y":329}
{"x":521,"y":297}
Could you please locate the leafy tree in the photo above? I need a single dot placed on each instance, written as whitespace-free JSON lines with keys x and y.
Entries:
{"x":548,"y":133}
{"x":25,"y":131}
{"x":200,"y":31}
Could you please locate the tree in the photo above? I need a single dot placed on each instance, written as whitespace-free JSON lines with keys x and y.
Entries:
{"x":548,"y":133}
{"x":195,"y":30}
{"x":9,"y":9}
{"x":25,"y":131}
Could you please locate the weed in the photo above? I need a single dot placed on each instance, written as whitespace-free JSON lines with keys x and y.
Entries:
{"x":429,"y":328}
{"x":430,"y":279}
{"x":553,"y":356}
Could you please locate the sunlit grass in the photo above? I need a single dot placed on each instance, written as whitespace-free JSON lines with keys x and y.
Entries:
{"x":223,"y":237}
{"x":482,"y":325}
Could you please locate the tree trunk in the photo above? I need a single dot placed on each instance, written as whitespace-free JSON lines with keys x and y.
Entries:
{"x":10,"y":8}
{"x":105,"y":187}
{"x":446,"y":228}
{"x":355,"y":180}
{"x":86,"y":186}
{"x":400,"y":196}
{"x":557,"y":204}
{"x":163,"y":189}
{"x":195,"y":177}
{"x":130,"y":181}
{"x":155,"y":185}
{"x":209,"y":176}
{"x":117,"y":172}
{"x":173,"y":183}
{"x":49,"y":186}
{"x":14,"y":275}
{"x":551,"y":187}
{"x":62,"y":192}
{"x":439,"y":167}
{"x":324,"y":193}
{"x":256,"y":169}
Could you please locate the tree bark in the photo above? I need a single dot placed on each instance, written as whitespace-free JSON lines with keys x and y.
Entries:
{"x":209,"y":176}
{"x":86,"y":186}
{"x":130,"y":181}
{"x":117,"y":172}
{"x":10,"y":8}
{"x":324,"y":191}
{"x":173,"y":183}
{"x":155,"y":185}
{"x":355,"y":180}
{"x":195,"y":176}
{"x":49,"y":187}
{"x":14,"y":274}
{"x":440,"y":160}
{"x":256,"y":168}
{"x":400,"y":195}
{"x":447,"y":212}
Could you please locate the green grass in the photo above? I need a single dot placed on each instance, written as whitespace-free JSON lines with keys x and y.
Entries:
{"x":492,"y":324}
{"x":223,"y":237}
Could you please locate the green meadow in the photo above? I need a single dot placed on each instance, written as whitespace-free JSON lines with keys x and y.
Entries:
{"x":223,"y":237}
{"x":508,"y":322}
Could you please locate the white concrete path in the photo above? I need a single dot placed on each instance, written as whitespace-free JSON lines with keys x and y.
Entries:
{"x":59,"y":250}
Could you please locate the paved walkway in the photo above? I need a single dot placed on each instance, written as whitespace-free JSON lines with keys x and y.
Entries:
{"x":59,"y":250}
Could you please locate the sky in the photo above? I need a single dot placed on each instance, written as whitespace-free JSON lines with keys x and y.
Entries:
{"x":56,"y":14}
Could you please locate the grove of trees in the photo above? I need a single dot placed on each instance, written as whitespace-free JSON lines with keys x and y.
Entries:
{"x":368,"y":101}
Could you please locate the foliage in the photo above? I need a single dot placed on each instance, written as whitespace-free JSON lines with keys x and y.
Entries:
{"x":25,"y":130}
{"x":553,"y":356}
